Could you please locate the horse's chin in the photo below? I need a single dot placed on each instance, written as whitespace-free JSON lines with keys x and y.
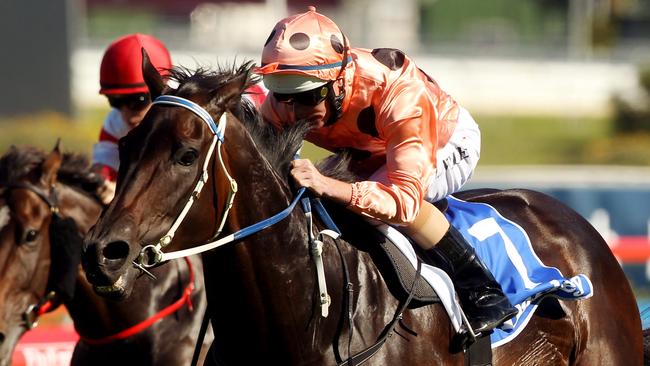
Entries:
{"x":118,"y":291}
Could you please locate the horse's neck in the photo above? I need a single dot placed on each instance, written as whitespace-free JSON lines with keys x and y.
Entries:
{"x":265,"y":274}
{"x":261,"y":192}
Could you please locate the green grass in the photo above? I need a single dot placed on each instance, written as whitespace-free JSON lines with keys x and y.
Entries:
{"x":114,"y":22}
{"x":505,"y":140}
{"x":43,"y":130}
{"x":533,"y":140}
{"x":539,"y":140}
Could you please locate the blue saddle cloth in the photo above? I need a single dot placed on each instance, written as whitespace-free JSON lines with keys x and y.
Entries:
{"x":505,"y":248}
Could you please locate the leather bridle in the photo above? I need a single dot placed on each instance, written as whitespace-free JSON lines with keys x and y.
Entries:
{"x":44,"y":303}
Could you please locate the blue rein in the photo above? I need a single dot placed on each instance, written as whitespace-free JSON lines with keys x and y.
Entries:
{"x":252,"y":229}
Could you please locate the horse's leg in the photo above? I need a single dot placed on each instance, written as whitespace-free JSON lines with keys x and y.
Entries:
{"x":212,"y":358}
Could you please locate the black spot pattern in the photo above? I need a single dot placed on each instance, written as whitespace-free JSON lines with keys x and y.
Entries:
{"x":270,"y":38}
{"x":299,"y":41}
{"x":427,"y":75}
{"x":336,"y":43}
{"x":357,"y":155}
{"x":390,"y":57}
{"x":366,"y":122}
{"x":363,"y":163}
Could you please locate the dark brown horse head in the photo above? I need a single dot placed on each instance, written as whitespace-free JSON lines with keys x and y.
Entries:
{"x":24,"y":242}
{"x":160,"y":162}
{"x":29,"y":198}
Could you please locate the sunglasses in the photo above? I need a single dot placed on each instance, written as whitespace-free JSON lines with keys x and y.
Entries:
{"x":309,"y":98}
{"x":134,"y":102}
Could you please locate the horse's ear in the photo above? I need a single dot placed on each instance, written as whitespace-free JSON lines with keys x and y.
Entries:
{"x":228,"y":94}
{"x":51,"y":165}
{"x":151,"y":76}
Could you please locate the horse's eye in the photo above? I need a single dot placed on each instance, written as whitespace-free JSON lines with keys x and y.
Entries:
{"x":188,"y":157}
{"x":31,"y":235}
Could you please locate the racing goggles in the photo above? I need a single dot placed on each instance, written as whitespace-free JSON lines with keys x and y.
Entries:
{"x":310,"y":98}
{"x":134,"y":102}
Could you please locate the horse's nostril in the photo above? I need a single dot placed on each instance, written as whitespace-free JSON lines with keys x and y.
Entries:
{"x":2,"y":337}
{"x":116,"y":250}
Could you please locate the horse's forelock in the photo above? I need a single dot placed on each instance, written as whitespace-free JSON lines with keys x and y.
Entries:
{"x":204,"y":80}
{"x":19,"y":162}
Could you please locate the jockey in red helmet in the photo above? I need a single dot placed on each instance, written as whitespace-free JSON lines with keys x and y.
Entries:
{"x":413,"y":142}
{"x":123,"y":84}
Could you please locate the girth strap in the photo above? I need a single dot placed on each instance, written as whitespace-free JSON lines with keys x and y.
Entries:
{"x":366,"y":354}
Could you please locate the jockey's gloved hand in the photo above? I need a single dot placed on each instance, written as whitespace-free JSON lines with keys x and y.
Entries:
{"x":106,"y":191}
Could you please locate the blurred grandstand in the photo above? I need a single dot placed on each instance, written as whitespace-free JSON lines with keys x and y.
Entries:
{"x":502,"y":56}
{"x":525,"y":57}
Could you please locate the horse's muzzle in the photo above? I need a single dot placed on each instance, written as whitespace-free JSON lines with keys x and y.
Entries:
{"x":105,"y":263}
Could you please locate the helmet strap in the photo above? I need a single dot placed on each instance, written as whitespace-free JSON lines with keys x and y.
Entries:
{"x":336,"y":101}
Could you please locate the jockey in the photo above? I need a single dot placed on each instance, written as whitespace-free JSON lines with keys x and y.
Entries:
{"x":412,"y":141}
{"x":122,"y":83}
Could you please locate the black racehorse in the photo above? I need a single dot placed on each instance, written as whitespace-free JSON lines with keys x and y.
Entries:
{"x":46,"y":205}
{"x":263,"y":290}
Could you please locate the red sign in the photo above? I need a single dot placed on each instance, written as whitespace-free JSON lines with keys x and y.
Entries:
{"x":631,"y":249}
{"x":46,"y":346}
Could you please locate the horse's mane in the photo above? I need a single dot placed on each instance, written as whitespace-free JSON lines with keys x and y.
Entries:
{"x":278,"y":146}
{"x":205,"y":80}
{"x":24,"y":162}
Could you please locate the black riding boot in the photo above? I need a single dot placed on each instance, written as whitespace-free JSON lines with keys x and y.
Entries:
{"x":480,"y":294}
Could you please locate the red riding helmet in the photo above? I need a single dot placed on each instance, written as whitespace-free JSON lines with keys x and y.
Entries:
{"x":121,"y":69}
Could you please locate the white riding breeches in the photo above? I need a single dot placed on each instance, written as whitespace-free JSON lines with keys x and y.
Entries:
{"x":457,"y":160}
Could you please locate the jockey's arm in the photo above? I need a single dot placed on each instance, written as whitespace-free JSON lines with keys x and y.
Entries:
{"x":394,"y":194}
